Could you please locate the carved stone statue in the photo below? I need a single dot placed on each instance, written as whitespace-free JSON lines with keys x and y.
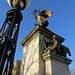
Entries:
{"x":55,"y":46}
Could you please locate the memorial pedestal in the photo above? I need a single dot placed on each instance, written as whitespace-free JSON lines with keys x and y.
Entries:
{"x":56,"y":64}
{"x":35,"y":62}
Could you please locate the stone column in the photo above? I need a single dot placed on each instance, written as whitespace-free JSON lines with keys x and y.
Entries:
{"x":32,"y":61}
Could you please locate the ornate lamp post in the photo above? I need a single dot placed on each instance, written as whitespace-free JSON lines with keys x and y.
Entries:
{"x":9,"y":34}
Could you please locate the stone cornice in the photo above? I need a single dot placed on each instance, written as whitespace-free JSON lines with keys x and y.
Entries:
{"x":46,"y":56}
{"x":41,"y":30}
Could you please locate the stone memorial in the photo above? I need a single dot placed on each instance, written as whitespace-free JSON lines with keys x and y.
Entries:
{"x":43,"y":52}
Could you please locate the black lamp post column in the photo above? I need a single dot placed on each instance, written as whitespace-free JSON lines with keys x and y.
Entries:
{"x":9,"y":34}
{"x":8,"y":38}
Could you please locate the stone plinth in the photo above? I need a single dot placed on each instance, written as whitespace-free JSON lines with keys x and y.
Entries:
{"x":56,"y":64}
{"x":32,"y":62}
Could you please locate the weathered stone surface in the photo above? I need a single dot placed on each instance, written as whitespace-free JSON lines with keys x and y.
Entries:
{"x":56,"y":64}
{"x":16,"y":68}
{"x":32,"y":63}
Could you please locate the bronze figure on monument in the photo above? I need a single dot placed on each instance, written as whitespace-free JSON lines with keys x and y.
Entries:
{"x":41,"y":17}
{"x":55,"y":46}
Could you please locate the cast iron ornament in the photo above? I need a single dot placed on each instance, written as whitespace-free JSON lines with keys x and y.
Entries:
{"x":9,"y":35}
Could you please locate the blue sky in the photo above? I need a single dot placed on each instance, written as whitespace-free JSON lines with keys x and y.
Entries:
{"x":62,"y":22}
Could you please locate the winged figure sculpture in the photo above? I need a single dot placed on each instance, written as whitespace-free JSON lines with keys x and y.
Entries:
{"x":42,"y":17}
